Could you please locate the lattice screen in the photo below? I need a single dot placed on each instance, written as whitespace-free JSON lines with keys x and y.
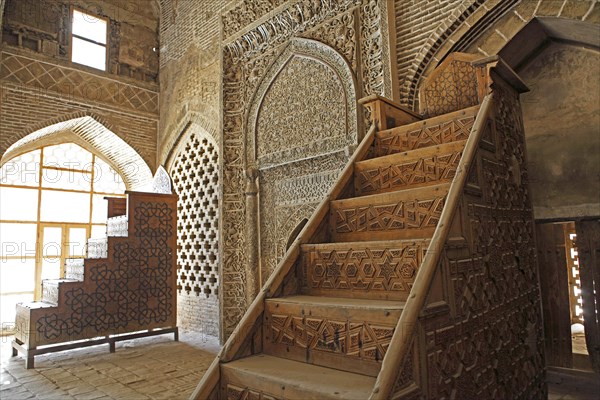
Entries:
{"x":195,"y":176}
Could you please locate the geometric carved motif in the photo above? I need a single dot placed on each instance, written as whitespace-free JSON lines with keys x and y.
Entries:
{"x":131,"y":290}
{"x":448,"y":131}
{"x":492,"y":347}
{"x":238,"y":393}
{"x":195,"y":175}
{"x":68,"y":82}
{"x":441,"y":168}
{"x":411,"y":214}
{"x":250,"y":49}
{"x":453,"y":89}
{"x":378,"y":272}
{"x":355,"y":339}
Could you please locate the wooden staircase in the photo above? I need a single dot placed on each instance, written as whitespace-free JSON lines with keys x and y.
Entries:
{"x":339,"y":317}
{"x":126,"y":284}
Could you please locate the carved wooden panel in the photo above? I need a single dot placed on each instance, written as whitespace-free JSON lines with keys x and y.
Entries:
{"x":133,"y":289}
{"x":588,"y":247}
{"x":490,"y":344}
{"x":420,"y":135}
{"x":372,"y":271}
{"x":555,"y":294}
{"x":234,"y":392}
{"x":440,"y":167}
{"x":450,"y":88}
{"x":388,"y":218}
{"x":328,"y":334}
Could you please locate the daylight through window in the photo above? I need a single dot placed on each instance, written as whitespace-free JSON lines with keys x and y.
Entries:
{"x":89,"y":40}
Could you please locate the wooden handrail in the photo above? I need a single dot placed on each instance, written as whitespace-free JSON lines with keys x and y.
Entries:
{"x":401,"y":340}
{"x":231,"y":348}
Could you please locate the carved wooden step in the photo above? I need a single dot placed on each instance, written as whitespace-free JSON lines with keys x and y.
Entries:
{"x":416,"y":168}
{"x":446,"y":128}
{"x":343,"y":333}
{"x":268,"y":377}
{"x":383,"y":270}
{"x":74,"y":269}
{"x":50,"y":289}
{"x":411,"y":213}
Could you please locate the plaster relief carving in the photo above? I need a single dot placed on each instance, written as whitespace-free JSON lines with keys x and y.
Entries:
{"x":304,"y":106}
{"x":292,"y":115}
{"x":257,"y":47}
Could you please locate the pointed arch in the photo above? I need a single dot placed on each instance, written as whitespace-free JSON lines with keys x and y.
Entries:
{"x":330,"y":67}
{"x":487,"y":26}
{"x":91,"y":134}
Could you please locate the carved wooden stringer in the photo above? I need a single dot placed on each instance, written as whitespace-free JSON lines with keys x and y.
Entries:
{"x":408,"y":291}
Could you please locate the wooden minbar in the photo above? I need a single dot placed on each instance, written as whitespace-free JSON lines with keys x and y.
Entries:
{"x":128,"y":293}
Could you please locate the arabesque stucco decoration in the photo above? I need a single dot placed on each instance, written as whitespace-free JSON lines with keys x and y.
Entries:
{"x":259,"y":42}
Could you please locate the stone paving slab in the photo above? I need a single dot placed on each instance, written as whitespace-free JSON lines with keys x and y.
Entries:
{"x":147,"y":368}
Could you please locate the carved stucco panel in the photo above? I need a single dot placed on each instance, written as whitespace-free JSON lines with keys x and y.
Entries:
{"x":304,"y":106}
{"x":289,"y":194}
{"x":356,"y":31}
{"x":300,"y":109}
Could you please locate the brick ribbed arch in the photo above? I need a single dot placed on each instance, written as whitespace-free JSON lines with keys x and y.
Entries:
{"x":485,"y":27}
{"x":88,"y":132}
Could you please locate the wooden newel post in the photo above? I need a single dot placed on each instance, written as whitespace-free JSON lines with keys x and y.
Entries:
{"x":253,"y":263}
{"x":386,"y":114}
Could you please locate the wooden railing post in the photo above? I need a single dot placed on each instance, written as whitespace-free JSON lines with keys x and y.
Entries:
{"x":386,"y":114}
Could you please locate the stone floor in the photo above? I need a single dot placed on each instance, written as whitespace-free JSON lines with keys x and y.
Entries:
{"x":149,"y":368}
{"x":159,"y":368}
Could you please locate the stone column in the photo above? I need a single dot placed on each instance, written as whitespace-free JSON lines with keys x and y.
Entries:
{"x":253,"y":263}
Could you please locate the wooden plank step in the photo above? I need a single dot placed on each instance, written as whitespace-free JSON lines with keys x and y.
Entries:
{"x":50,"y":289}
{"x":409,"y":213}
{"x":431,"y":132}
{"x":343,"y":333}
{"x":382,"y":270}
{"x":262,"y":375}
{"x":416,"y":168}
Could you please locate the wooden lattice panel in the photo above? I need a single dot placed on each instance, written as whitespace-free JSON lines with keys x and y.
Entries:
{"x":195,"y":176}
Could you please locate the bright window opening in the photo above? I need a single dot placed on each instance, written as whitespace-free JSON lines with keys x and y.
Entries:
{"x":88,"y":40}
{"x":51,"y":202}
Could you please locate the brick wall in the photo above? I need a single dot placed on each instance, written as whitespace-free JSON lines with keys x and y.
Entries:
{"x":427,"y":30}
{"x":38,"y":85}
{"x":416,"y":24}
{"x":190,"y":79}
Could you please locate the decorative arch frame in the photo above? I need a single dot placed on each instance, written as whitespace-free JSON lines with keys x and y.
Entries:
{"x":317,"y":51}
{"x":195,"y":124}
{"x":91,"y":133}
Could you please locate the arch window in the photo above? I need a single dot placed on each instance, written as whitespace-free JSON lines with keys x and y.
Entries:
{"x":51,"y":202}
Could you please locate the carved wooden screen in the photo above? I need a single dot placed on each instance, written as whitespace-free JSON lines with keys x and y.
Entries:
{"x":554,"y":276}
